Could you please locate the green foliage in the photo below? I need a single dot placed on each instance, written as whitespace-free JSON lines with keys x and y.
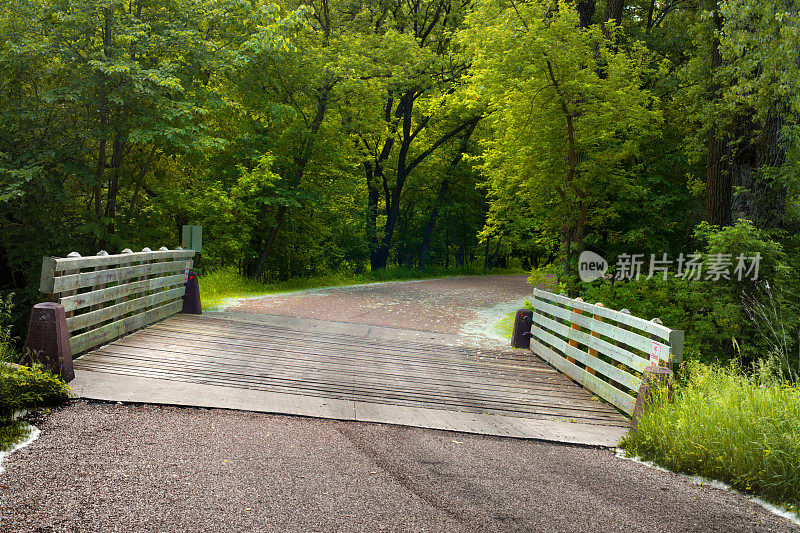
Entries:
{"x":28,"y":387}
{"x":21,"y":387}
{"x":722,"y":425}
{"x":710,"y":312}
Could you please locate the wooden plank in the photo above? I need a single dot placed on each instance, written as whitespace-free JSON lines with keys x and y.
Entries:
{"x":119,"y":292}
{"x":70,"y":263}
{"x":615,"y":352}
{"x":676,"y":346}
{"x":47,"y":278}
{"x":594,"y":363}
{"x":612,"y":331}
{"x":639,"y":323}
{"x":616,"y":397}
{"x":86,"y":279}
{"x":107,"y":313}
{"x":90,"y":339}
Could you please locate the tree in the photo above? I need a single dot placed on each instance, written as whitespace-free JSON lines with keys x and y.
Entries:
{"x":562,"y":132}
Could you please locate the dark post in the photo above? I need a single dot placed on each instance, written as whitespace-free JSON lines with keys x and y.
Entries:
{"x":521,"y":338}
{"x":654,"y":378}
{"x":48,"y":339}
{"x":191,"y":298}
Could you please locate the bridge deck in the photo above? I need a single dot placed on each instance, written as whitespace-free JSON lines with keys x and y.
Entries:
{"x":213,"y":362}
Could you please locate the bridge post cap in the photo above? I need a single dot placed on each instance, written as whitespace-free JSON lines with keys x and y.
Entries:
{"x":163,"y":249}
{"x":127,"y":251}
{"x":102,"y":253}
{"x":656,"y":370}
{"x":48,"y":305}
{"x":73,"y":254}
{"x":146,"y":249}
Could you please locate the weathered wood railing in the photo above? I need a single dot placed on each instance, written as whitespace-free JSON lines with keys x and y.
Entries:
{"x":107,"y":296}
{"x":604,"y":350}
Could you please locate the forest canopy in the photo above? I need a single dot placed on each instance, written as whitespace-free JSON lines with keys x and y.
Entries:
{"x":334,"y":135}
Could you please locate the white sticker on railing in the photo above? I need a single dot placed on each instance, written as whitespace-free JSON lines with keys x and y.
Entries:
{"x":655,"y":353}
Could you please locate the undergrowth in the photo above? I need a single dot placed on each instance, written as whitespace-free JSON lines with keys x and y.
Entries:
{"x":21,"y":387}
{"x":725,"y":425}
{"x":220,"y":285}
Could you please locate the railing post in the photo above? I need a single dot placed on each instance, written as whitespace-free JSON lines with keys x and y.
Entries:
{"x":573,"y":325}
{"x":655,"y":378}
{"x":521,"y":337}
{"x":620,"y":344}
{"x":97,"y":287}
{"x":73,"y":292}
{"x":592,"y":351}
{"x":191,"y":298}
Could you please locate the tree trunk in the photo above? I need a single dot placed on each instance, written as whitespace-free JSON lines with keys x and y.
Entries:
{"x":426,"y":238}
{"x":301,"y":162}
{"x":586,"y":10}
{"x":265,"y":252}
{"x":719,"y":191}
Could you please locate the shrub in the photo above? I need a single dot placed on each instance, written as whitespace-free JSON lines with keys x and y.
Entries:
{"x":727,"y":426}
{"x":24,"y":387}
{"x":713,"y":314}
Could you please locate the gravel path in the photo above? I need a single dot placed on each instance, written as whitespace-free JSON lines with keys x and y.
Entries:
{"x":102,"y":467}
{"x":445,"y":305}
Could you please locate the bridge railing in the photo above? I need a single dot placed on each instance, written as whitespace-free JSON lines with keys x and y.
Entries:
{"x":605,"y":351}
{"x":107,"y":296}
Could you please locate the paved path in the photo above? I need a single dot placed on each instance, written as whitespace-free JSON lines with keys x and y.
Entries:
{"x":108,"y":467}
{"x":127,"y":468}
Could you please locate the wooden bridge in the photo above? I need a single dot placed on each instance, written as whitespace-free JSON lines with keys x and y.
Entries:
{"x":343,"y":371}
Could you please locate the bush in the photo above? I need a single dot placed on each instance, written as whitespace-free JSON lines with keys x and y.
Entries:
{"x":727,"y":426}
{"x":24,"y":387}
{"x":713,"y":314}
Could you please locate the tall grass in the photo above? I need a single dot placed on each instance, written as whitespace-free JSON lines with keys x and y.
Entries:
{"x":220,"y":285}
{"x":721,"y":424}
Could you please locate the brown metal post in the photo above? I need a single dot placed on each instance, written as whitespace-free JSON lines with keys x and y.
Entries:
{"x":191,"y":298}
{"x":521,"y":337}
{"x":47,"y":341}
{"x":655,"y":378}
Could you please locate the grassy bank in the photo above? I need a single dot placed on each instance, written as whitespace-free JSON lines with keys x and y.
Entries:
{"x":217,"y":286}
{"x":721,"y":424}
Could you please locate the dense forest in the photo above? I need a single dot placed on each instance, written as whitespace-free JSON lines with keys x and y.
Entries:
{"x":356,"y":134}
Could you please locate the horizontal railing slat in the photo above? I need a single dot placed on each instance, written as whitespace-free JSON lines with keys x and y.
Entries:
{"x":630,"y":338}
{"x":87,"y":279}
{"x":622,"y":318}
{"x":90,"y":339}
{"x":107,"y":313}
{"x":73,"y":263}
{"x":86,"y":299}
{"x":620,"y":376}
{"x":617,"y":353}
{"x":614,"y":396}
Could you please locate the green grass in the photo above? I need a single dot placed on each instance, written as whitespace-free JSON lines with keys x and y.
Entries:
{"x":505,"y":326}
{"x":218,"y":286}
{"x":724,"y":425}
